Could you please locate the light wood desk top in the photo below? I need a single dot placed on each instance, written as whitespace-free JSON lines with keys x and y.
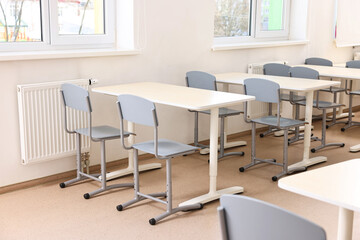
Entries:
{"x":337,"y":184}
{"x":178,"y":96}
{"x":336,"y":72}
{"x":286,"y":83}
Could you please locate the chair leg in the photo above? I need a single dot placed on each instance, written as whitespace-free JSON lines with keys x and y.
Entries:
{"x":222,"y":142}
{"x":285,"y":159}
{"x":196,"y":132}
{"x":350,"y":122}
{"x":104,"y":186}
{"x":323,"y":136}
{"x":79,"y":177}
{"x":169,"y":209}
{"x":333,"y":119}
{"x":254,"y":160}
{"x":137,"y":196}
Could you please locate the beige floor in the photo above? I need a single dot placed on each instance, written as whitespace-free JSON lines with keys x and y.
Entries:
{"x":48,"y":212}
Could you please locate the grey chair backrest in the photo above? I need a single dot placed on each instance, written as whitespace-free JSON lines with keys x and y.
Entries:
{"x":251,"y":219}
{"x":76,"y":97}
{"x":263,"y":90}
{"x":137,"y":110}
{"x":318,"y":61}
{"x":202,"y":80}
{"x":303,"y":72}
{"x":353,"y":64}
{"x":276,"y":69}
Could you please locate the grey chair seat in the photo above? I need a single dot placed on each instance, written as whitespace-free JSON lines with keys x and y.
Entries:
{"x":333,"y":89}
{"x":102,"y":132}
{"x":284,"y":122}
{"x":223,"y":112}
{"x":286,"y":97}
{"x":166,"y":148}
{"x":322,"y":104}
{"x":357,"y":92}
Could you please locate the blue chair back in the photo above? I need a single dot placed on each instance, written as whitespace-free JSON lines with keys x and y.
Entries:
{"x":247,"y":218}
{"x":303,"y":72}
{"x":318,"y":61}
{"x":353,"y":64}
{"x":263,"y":90}
{"x":202,"y":80}
{"x":76,"y":97}
{"x":276,"y":69}
{"x":137,"y":110}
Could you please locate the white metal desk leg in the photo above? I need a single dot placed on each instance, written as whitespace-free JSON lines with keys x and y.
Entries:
{"x":214,"y":129}
{"x":130,"y":167}
{"x":233,"y":143}
{"x":307,"y":161}
{"x":345,"y":224}
{"x":213,"y":194}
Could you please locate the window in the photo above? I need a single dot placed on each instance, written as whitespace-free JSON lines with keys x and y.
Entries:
{"x":56,"y":24}
{"x":251,"y":20}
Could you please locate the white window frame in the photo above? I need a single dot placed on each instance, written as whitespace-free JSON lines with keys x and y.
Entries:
{"x":109,"y":27}
{"x":255,"y":21}
{"x":281,"y":34}
{"x":52,"y":41}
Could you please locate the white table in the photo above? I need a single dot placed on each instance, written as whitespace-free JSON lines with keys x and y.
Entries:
{"x":188,"y":98}
{"x":307,"y":86}
{"x":337,"y":184}
{"x":341,"y":73}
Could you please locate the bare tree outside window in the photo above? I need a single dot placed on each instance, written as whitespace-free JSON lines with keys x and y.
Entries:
{"x":20,"y":21}
{"x":232,"y":18}
{"x":81,"y":17}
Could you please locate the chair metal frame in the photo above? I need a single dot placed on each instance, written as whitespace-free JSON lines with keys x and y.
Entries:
{"x":80,"y":175}
{"x":152,"y":196}
{"x":351,"y":93}
{"x":295,"y":123}
{"x":333,"y":90}
{"x":321,"y":105}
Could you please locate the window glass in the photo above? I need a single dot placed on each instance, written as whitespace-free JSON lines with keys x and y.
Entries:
{"x":20,"y":21}
{"x":232,"y":18}
{"x":272,"y":15}
{"x":83,"y":17}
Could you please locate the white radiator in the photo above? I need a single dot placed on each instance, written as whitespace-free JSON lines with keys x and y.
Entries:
{"x":259,"y":109}
{"x":42,"y":133}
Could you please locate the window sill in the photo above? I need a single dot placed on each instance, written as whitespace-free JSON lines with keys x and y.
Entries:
{"x":247,"y":45}
{"x":57,"y":54}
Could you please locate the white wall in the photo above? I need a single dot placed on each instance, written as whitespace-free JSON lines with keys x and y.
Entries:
{"x":179,"y":39}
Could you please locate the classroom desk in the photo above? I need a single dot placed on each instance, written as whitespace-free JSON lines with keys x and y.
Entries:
{"x":337,"y":184}
{"x":188,"y":98}
{"x":339,"y":72}
{"x":307,"y":86}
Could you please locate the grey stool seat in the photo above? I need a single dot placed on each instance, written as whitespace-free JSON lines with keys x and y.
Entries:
{"x":166,"y":148}
{"x":350,"y":122}
{"x":322,"y":105}
{"x":334,"y":90}
{"x":295,"y":98}
{"x":143,"y":112}
{"x":102,"y":132}
{"x":224,"y":112}
{"x":77,"y":98}
{"x":273,"y":121}
{"x":203,"y":80}
{"x":247,"y":218}
{"x":269,"y":92}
